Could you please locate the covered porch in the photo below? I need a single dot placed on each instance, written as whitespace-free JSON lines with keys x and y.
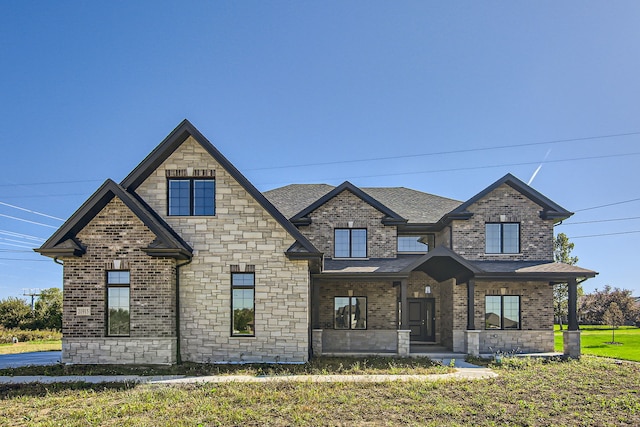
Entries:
{"x":439,"y":302}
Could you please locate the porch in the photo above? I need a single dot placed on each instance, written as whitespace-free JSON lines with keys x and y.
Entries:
{"x":413,"y":305}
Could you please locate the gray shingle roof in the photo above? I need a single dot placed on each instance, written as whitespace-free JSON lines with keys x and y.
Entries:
{"x":413,"y":205}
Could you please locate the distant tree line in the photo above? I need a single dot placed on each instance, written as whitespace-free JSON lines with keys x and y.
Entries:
{"x":597,"y":308}
{"x":16,"y":313}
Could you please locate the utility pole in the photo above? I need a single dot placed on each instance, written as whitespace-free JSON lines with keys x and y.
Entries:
{"x":33,"y":293}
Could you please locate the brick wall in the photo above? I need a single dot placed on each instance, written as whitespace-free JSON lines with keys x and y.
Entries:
{"x":337,"y":212}
{"x":241,"y":233}
{"x":116,"y":234}
{"x":536,"y":311}
{"x":381,"y":302}
{"x":536,"y":234}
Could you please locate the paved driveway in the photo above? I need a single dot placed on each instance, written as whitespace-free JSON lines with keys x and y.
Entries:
{"x":26,"y":359}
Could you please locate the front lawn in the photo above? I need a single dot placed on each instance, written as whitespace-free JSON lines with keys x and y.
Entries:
{"x":594,"y":339}
{"x":588,"y":392}
{"x":30,"y":346}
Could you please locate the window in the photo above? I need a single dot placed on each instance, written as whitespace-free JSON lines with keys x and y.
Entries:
{"x":502,"y":312}
{"x":118,"y":318}
{"x":411,"y":244}
{"x":502,"y":238}
{"x":350,"y":243}
{"x":243,"y":304}
{"x":190,"y":197}
{"x":350,"y":312}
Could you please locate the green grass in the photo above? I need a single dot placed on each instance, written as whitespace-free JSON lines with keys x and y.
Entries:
{"x":317,"y":366}
{"x":588,"y":392}
{"x":595,"y":339}
{"x":29,"y":346}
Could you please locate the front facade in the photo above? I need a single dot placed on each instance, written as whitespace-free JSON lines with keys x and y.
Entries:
{"x":185,"y":260}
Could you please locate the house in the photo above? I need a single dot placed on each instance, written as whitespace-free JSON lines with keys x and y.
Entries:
{"x":185,"y":260}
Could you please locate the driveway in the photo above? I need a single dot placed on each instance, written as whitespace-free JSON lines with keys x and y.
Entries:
{"x":26,"y":359}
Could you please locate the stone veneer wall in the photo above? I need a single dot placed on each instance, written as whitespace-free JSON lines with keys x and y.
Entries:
{"x":382,"y":341}
{"x":337,"y":212}
{"x":536,"y":234}
{"x":117,"y":234}
{"x":241,"y":233}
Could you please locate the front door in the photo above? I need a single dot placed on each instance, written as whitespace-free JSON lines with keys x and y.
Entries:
{"x":422,"y":319}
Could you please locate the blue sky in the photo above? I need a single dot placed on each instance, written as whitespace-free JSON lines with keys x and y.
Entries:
{"x":312,"y":92}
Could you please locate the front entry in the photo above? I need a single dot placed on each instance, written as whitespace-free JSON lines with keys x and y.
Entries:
{"x":422,"y":319}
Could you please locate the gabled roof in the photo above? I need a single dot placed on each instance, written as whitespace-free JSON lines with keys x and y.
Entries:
{"x":550,"y":209}
{"x":415,"y":206}
{"x":64,"y":241}
{"x":174,"y":140}
{"x":390,"y":216}
{"x":442,"y":264}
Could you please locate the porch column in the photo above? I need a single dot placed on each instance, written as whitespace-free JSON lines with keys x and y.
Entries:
{"x":404,"y":306}
{"x":471,"y":304}
{"x":573,"y":304}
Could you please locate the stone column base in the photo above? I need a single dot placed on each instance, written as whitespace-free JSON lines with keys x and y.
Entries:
{"x":316,"y":342}
{"x":571,"y":344}
{"x":472,"y":342}
{"x":404,"y":343}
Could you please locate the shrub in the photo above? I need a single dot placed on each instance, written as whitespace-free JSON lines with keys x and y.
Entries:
{"x":6,"y":335}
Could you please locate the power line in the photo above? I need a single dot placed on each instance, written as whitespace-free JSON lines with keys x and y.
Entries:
{"x":600,"y":220}
{"x":609,"y":204}
{"x":12,"y":244}
{"x":605,"y":234}
{"x":465,"y":168}
{"x":53,"y":182}
{"x":22,"y":236}
{"x":31,"y":211}
{"x":439,"y":153}
{"x":26,"y":220}
{"x":45,"y":195}
{"x":28,"y":260}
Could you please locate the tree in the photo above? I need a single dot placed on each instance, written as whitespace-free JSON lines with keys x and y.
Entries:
{"x":594,"y":305}
{"x":613,"y":316}
{"x":562,"y":248}
{"x":48,"y":310}
{"x":14,"y":312}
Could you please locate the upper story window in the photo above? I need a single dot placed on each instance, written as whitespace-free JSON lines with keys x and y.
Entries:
{"x":350,"y":243}
{"x":411,"y":244}
{"x":502,"y":238}
{"x":191,"y":197}
{"x":118,"y":317}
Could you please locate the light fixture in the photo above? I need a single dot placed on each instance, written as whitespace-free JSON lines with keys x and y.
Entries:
{"x":427,"y":289}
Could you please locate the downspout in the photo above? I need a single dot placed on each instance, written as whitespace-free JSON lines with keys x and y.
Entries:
{"x":57,"y":261}
{"x":178,"y":355}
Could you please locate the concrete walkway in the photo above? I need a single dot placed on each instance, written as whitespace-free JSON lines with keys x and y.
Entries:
{"x":459,"y":374}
